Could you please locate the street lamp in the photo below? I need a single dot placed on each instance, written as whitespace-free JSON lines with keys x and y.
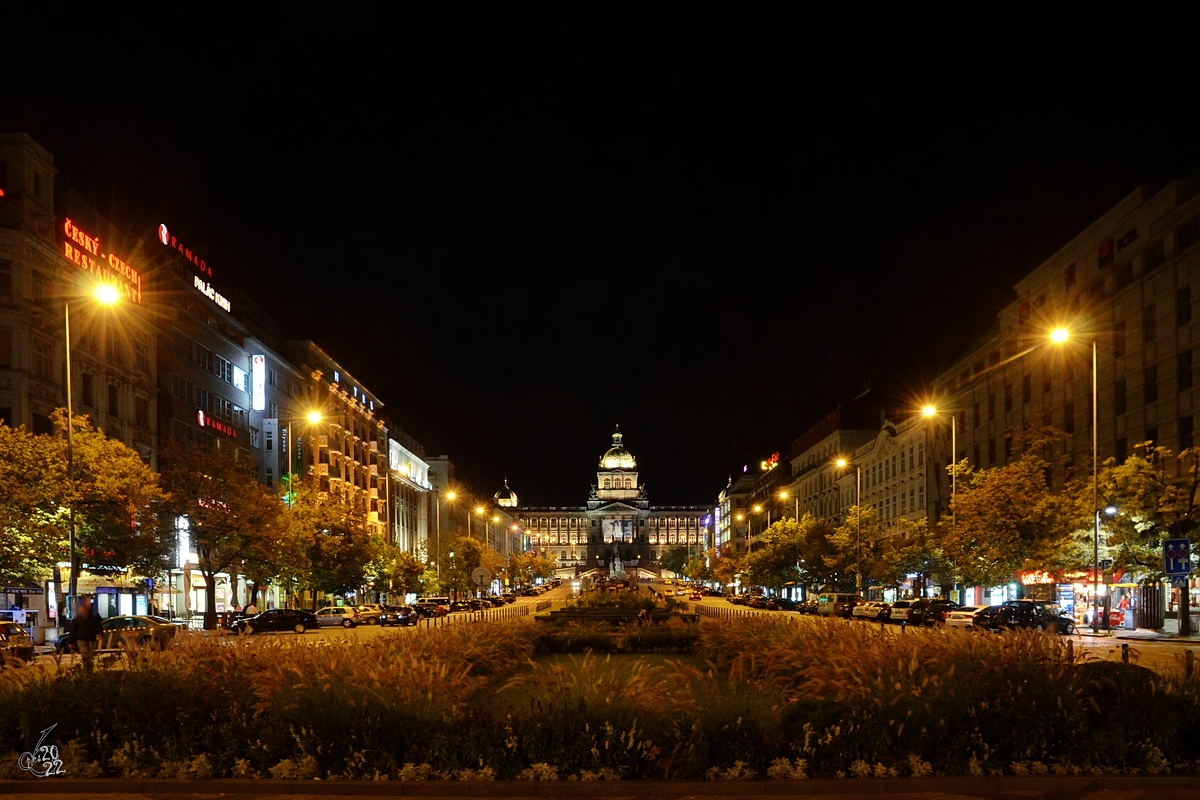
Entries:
{"x":437,"y":502}
{"x":931,"y":411}
{"x":784,"y":496}
{"x":1060,"y":336}
{"x":844,"y":464}
{"x":106,"y":294}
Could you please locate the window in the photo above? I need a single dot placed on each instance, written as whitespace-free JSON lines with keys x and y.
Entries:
{"x":114,"y":350}
{"x":991,"y":452}
{"x":1124,"y":276}
{"x":1186,"y":433}
{"x":1119,"y":403}
{"x":224,"y":370}
{"x":975,"y":455}
{"x":202,"y":356}
{"x":1151,"y":436}
{"x":1069,"y":277}
{"x":1183,"y":369}
{"x":1187,"y":234}
{"x":1150,"y":384}
{"x":6,"y":348}
{"x":270,"y":442}
{"x":239,"y":378}
{"x":1183,"y":305}
{"x":1149,"y":323}
{"x":975,"y":416}
{"x":1119,"y":339}
{"x":114,"y":400}
{"x":1047,"y":384}
{"x":1008,"y":401}
{"x":6,"y":416}
{"x":41,"y":361}
{"x":141,"y":411}
{"x":1026,"y":389}
{"x":1106,"y":254}
{"x":991,"y":405}
{"x":42,"y":288}
{"x":5,"y":278}
{"x":273,"y":378}
{"x":1069,"y":417}
{"x":88,"y":395}
{"x":141,"y":356}
{"x":1156,"y":256}
{"x":240,"y":418}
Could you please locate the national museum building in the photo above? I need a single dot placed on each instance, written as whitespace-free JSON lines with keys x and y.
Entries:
{"x":617,"y":529}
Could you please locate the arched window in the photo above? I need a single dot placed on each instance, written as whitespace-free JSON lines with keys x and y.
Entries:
{"x":628,"y":483}
{"x":606,"y":486}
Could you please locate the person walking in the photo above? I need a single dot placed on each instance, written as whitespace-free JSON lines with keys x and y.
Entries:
{"x":85,"y":631}
{"x":250,"y":610}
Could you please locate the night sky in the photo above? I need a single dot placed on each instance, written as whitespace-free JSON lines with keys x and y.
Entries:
{"x":519,"y":223}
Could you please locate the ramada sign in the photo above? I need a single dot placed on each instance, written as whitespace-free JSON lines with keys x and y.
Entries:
{"x":208,"y":422}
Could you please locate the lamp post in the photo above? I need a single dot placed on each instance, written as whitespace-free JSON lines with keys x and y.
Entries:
{"x":437,"y":502}
{"x":784,"y":496}
{"x":1060,"y":336}
{"x":844,"y":463}
{"x":931,"y":411}
{"x":108,"y":295}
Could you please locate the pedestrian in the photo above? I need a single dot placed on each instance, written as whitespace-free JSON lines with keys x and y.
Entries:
{"x":251,"y":609}
{"x":643,"y":617}
{"x":85,"y":631}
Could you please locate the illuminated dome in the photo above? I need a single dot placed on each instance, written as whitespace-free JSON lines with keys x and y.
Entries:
{"x":617,"y":456}
{"x":506,"y":497}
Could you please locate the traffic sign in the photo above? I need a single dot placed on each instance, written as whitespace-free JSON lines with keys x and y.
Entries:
{"x":1177,"y":557}
{"x":1106,"y":565}
{"x":481,"y":575}
{"x":1179,"y":581}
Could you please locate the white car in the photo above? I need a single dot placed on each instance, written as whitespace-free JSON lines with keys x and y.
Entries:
{"x":899,"y":612}
{"x":345,"y":616}
{"x":962,"y":617}
{"x":865,"y":610}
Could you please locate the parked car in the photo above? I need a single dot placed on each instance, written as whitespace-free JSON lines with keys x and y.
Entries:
{"x":695,"y":596}
{"x":962,"y":617}
{"x":399,"y":615}
{"x":781,"y":604}
{"x":871,"y":612}
{"x":346,"y":616}
{"x":495,"y":600}
{"x":836,"y":604}
{"x":429,"y":608}
{"x":807,"y":607}
{"x":509,"y":597}
{"x":137,"y":629}
{"x":1035,"y":614}
{"x":529,"y":591}
{"x":15,"y":642}
{"x":756,"y":601}
{"x":899,"y":612}
{"x":369,"y":613}
{"x":739,"y":599}
{"x":930,"y":611}
{"x":277,"y":619}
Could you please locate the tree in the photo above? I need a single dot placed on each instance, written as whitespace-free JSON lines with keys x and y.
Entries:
{"x":776,"y":562}
{"x":725,"y":566}
{"x":674,"y":558}
{"x":1010,"y":517}
{"x":916,"y":548}
{"x":113,"y":492}
{"x":334,"y":533}
{"x":858,"y":549}
{"x":233,"y":522}
{"x":697,"y":567}
{"x":463,"y":558}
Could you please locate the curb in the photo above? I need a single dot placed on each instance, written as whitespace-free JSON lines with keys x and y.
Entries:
{"x":1072,"y":785}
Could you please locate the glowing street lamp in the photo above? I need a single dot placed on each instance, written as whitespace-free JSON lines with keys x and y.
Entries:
{"x":931,"y":411}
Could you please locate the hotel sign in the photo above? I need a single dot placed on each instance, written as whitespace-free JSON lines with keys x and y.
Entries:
{"x":206,"y":421}
{"x":164,"y":236}
{"x":86,"y":252}
{"x":208,"y":291}
{"x":258,"y":382}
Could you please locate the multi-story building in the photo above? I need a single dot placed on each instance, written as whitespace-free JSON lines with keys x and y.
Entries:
{"x":409,"y":493}
{"x":731,"y":516}
{"x":892,"y":473}
{"x":1126,"y":283}
{"x":617,"y":528}
{"x":348,"y":448}
{"x":817,"y":480}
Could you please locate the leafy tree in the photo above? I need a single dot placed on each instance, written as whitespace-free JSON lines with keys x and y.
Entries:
{"x":697,"y":567}
{"x":1011,"y":517}
{"x":859,"y":547}
{"x":334,"y":533}
{"x":777,"y":561}
{"x":916,"y":549}
{"x":233,"y":521}
{"x":112,"y":491}
{"x":725,"y":566}
{"x":674,"y":558}
{"x":463,"y":558}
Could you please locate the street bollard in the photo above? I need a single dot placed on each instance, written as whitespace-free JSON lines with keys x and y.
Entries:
{"x":1188,"y":661}
{"x":1125,"y":654}
{"x":1070,"y":652}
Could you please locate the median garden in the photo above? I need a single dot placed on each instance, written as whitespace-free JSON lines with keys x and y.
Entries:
{"x":756,"y":697}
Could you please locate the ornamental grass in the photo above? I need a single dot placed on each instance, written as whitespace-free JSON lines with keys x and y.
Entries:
{"x":732,"y":700}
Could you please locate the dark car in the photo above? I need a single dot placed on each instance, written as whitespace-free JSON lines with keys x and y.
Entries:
{"x":137,"y":629}
{"x":529,"y":591}
{"x":739,"y":599}
{"x":509,"y":597}
{"x":1035,"y":614}
{"x":781,"y":604}
{"x":494,"y":601}
{"x":15,"y":642}
{"x":930,"y":611}
{"x":295,"y":620}
{"x":399,"y":615}
{"x":757,"y":601}
{"x":432,"y":606}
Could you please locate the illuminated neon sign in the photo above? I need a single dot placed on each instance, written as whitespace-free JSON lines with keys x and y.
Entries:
{"x":164,"y":236}
{"x":258,"y":383}
{"x":208,"y":422}
{"x":212,"y":294}
{"x":83,"y":250}
{"x":771,"y":463}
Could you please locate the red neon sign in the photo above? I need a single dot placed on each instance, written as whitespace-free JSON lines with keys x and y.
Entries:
{"x":83,"y":250}
{"x":164,"y":236}
{"x":208,"y":422}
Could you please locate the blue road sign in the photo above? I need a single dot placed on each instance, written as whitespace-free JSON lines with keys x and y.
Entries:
{"x":1177,"y":557}
{"x":1179,"y":581}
